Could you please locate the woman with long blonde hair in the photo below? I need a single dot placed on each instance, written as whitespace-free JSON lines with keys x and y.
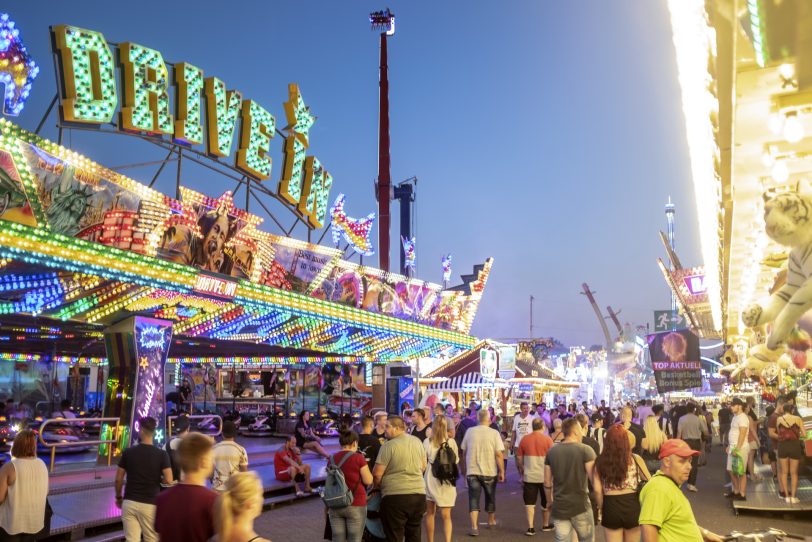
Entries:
{"x":439,"y":494}
{"x":652,"y":442}
{"x":237,"y":507}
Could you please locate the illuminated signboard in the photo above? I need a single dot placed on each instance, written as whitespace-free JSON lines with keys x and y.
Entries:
{"x":17,"y":68}
{"x":675,"y":359}
{"x":152,"y":339}
{"x":87,"y":73}
{"x":207,"y":284}
{"x":695,"y":284}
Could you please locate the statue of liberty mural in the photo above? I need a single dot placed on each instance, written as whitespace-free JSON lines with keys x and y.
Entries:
{"x":69,"y":201}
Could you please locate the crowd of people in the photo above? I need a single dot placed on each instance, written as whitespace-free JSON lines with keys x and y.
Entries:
{"x":621,"y":469}
{"x":583,"y":467}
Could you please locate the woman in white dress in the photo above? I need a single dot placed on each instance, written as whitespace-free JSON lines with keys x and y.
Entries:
{"x":439,"y":495}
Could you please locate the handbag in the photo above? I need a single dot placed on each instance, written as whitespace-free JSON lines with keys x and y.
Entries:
{"x":640,"y":481}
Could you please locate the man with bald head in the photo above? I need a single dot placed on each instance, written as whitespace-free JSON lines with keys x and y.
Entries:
{"x":626,"y":416}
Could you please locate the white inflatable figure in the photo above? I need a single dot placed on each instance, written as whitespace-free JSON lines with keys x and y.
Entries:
{"x":762,"y":362}
{"x":788,"y":217}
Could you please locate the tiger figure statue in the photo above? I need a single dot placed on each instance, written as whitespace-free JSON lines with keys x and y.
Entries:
{"x":788,"y":219}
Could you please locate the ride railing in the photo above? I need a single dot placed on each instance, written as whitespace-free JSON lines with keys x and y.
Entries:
{"x":83,"y":443}
{"x":201,"y":426}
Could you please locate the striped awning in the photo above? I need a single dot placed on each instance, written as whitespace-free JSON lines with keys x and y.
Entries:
{"x":465,"y":382}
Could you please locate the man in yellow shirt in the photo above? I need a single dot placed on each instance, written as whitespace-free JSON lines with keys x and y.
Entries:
{"x":665,"y":513}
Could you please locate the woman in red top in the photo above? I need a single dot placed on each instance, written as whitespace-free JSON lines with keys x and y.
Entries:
{"x":348,"y":522}
{"x":790,"y":453}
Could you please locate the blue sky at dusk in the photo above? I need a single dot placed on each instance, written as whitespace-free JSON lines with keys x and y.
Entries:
{"x":547,"y":135}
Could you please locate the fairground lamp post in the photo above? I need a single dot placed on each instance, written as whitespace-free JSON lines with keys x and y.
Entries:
{"x":385,"y":22}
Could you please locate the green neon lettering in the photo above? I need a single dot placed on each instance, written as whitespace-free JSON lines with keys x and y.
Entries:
{"x":222,"y":109}
{"x":300,"y":120}
{"x":146,"y":90}
{"x":189,"y":83}
{"x":88,"y":75}
{"x":317,"y":184}
{"x":258,"y":127}
{"x":293,"y":159}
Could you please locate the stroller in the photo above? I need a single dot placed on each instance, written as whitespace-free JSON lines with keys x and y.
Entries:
{"x":373,"y":530}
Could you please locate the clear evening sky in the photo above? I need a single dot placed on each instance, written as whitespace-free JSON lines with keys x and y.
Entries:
{"x":547,"y":135}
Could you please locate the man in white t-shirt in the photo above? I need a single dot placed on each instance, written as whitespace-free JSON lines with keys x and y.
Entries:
{"x":229,"y":457}
{"x":738,"y":445}
{"x":522,"y":425}
{"x":483,"y":465}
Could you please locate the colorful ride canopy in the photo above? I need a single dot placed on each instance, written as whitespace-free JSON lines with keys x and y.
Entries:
{"x":200,"y":261}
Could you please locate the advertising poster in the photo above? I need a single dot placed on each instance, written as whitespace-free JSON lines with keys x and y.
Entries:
{"x":392,"y":394}
{"x":406,"y":392}
{"x":675,"y":360}
{"x":487,"y":363}
{"x":152,"y":339}
{"x":301,"y":266}
{"x":507,"y":362}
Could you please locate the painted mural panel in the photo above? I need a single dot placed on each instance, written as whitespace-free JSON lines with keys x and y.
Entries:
{"x":14,"y":204}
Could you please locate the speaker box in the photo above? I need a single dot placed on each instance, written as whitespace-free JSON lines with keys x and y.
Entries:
{"x":400,"y":371}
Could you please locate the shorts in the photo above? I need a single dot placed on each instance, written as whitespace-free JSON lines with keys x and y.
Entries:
{"x":530,"y":494}
{"x":284,"y":476}
{"x":476,"y":485}
{"x":621,"y":511}
{"x":790,"y":449}
{"x":744,"y":452}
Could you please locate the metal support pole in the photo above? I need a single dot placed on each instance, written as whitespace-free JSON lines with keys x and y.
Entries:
{"x":47,"y":112}
{"x":177,"y":177}
{"x":160,"y":169}
{"x":247,"y":193}
{"x":384,"y":159}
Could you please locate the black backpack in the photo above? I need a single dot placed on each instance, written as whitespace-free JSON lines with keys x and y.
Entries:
{"x":444,"y":466}
{"x":173,"y":460}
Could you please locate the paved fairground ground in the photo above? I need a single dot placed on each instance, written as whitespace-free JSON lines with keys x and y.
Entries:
{"x":303,"y":520}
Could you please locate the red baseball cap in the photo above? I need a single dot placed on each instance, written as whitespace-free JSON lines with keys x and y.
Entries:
{"x":675,"y":446}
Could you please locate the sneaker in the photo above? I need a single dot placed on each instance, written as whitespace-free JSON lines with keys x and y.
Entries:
{"x":692,"y":488}
{"x":530,"y":532}
{"x":473,"y":532}
{"x":782,"y":495}
{"x":548,"y":528}
{"x":740,"y":498}
{"x":300,"y":493}
{"x":793,"y":500}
